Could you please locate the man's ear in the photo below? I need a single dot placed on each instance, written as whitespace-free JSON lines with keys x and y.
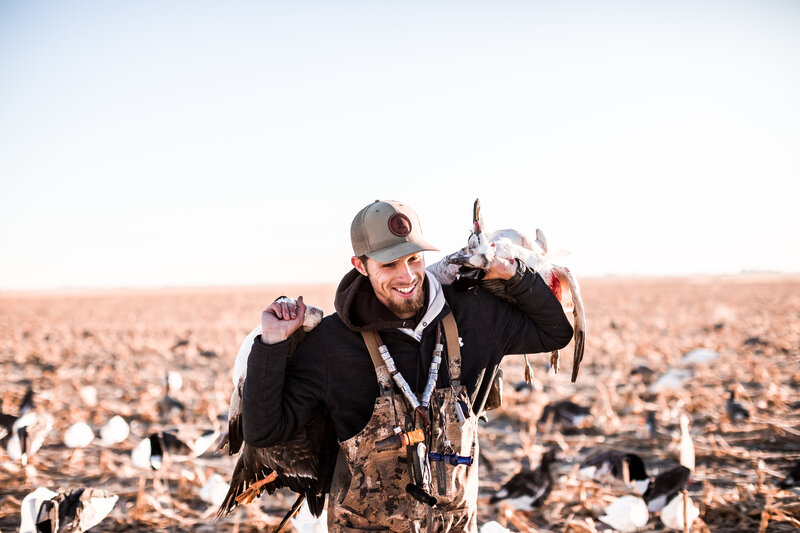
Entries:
{"x":356,"y":262}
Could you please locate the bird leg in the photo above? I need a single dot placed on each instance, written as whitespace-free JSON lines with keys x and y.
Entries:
{"x":553,"y":361}
{"x":528,"y":370}
{"x":254,"y":490}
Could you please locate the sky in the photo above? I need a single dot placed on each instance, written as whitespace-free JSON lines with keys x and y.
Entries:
{"x":154,"y":144}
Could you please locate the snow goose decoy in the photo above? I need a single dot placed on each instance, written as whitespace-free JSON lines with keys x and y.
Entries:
{"x":628,"y":513}
{"x":529,"y":489}
{"x":115,"y":431}
{"x":44,"y":511}
{"x":672,"y":514}
{"x":468,"y":265}
{"x":304,"y":463}
{"x":78,"y":435}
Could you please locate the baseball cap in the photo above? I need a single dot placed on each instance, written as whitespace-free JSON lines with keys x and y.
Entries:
{"x":387,"y":231}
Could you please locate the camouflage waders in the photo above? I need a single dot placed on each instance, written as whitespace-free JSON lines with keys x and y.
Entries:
{"x":368,"y":492}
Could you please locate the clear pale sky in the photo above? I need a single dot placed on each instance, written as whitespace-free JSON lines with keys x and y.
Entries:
{"x":230,"y":143}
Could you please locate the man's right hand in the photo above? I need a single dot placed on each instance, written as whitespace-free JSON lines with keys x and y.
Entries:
{"x":281,"y":319}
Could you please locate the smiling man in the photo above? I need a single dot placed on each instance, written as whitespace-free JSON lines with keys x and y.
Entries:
{"x":407,"y":431}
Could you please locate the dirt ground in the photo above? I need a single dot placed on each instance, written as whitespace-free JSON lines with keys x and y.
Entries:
{"x":122,"y":343}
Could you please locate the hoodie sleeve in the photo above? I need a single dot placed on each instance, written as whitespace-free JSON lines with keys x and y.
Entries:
{"x":537,"y":323}
{"x":281,"y":389}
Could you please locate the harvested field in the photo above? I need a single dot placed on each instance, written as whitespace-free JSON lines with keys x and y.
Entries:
{"x":120,"y":345}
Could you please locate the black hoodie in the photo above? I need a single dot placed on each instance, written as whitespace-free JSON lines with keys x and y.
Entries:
{"x":333,"y":366}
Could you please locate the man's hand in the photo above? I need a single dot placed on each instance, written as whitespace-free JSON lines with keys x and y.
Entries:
{"x":281,"y":319}
{"x":501,"y":268}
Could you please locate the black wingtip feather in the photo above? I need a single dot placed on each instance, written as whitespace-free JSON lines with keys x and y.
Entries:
{"x":578,"y":357}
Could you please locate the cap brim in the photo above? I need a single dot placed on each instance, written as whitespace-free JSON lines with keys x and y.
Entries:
{"x":393,"y":253}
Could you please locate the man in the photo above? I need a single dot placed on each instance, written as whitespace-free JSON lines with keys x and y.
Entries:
{"x":409,"y":453}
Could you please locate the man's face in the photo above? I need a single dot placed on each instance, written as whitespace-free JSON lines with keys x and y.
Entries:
{"x":398,"y":285}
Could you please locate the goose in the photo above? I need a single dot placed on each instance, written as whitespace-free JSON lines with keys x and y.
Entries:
{"x":529,"y":489}
{"x":652,"y":424}
{"x":304,"y":463}
{"x":28,"y":431}
{"x":616,"y":464}
{"x":736,"y":411}
{"x":153,"y":449}
{"x":45,"y":511}
{"x":467,"y":266}
{"x":171,"y":407}
{"x":566,"y":414}
{"x":7,"y":420}
{"x":665,"y":486}
{"x":792,"y":478}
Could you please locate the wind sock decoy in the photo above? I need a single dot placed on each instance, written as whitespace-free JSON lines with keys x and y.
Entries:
{"x":304,"y":464}
{"x":468,"y":266}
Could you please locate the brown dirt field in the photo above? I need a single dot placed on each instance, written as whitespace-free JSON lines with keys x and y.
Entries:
{"x":123,"y":342}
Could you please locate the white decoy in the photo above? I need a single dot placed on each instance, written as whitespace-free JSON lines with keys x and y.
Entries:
{"x":493,"y":527}
{"x":78,"y":435}
{"x":481,"y":250}
{"x":29,"y":509}
{"x":686,"y":444}
{"x":627,"y":513}
{"x":672,"y":379}
{"x":89,"y":395}
{"x":214,"y":490}
{"x":115,"y":431}
{"x":672,"y":513}
{"x":306,"y":522}
{"x":700,"y":356}
{"x":27,"y":435}
{"x":174,"y":381}
{"x":74,"y":511}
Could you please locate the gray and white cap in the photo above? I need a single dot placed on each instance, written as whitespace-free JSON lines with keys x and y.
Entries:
{"x":387,"y":231}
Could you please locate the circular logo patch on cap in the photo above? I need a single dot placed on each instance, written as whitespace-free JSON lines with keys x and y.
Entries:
{"x":399,"y":224}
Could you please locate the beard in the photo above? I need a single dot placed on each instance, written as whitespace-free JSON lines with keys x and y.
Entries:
{"x":407,"y":307}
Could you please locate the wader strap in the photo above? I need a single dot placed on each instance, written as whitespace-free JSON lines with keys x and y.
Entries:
{"x":453,"y":348}
{"x":384,"y":379}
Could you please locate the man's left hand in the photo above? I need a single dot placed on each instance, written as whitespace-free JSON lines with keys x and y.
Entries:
{"x":501,"y":268}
